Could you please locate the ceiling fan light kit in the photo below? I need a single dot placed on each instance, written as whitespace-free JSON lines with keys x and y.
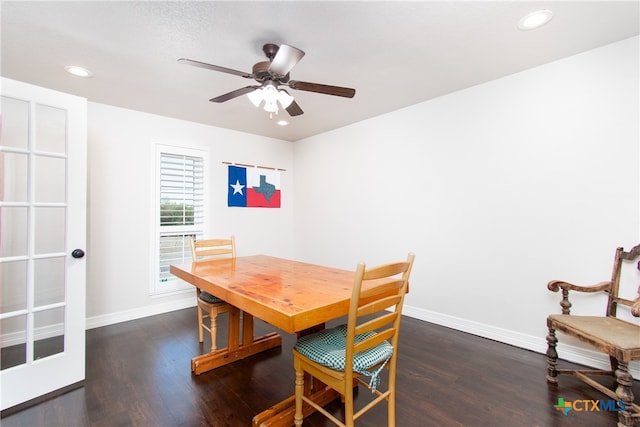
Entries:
{"x":271,"y":97}
{"x":271,"y":75}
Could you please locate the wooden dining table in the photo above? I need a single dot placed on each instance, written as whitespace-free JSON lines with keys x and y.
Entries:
{"x":293,"y":296}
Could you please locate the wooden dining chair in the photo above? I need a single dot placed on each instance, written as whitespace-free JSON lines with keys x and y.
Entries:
{"x":617,"y":337}
{"x":210,"y":306}
{"x":363,"y":347}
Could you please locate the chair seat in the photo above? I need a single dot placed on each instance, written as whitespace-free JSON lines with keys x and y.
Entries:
{"x":620,"y":334}
{"x":327,"y":347}
{"x":207,"y":297}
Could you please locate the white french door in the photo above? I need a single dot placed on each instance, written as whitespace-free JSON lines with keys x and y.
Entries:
{"x":43,"y":143}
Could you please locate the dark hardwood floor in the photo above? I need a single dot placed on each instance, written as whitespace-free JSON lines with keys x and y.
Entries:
{"x":138,"y":374}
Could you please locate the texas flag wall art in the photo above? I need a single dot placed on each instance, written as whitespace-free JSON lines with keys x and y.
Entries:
{"x":254,"y":187}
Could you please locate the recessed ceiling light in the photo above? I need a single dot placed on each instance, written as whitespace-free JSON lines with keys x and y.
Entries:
{"x":78,"y":71}
{"x":282,"y":122}
{"x":535,"y":19}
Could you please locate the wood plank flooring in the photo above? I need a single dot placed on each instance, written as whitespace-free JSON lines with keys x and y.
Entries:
{"x":138,"y":374}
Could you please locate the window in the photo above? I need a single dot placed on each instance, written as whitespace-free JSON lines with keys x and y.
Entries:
{"x":180,"y":211}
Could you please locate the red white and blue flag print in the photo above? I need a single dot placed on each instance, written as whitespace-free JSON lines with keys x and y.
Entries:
{"x":254,"y":187}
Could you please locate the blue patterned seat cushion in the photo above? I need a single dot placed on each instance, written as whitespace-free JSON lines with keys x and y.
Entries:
{"x":327,"y":347}
{"x":207,"y":297}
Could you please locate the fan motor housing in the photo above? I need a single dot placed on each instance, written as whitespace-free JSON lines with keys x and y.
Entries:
{"x":261,"y":70}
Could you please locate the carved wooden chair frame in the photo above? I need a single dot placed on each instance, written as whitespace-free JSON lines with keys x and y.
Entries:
{"x":622,"y":347}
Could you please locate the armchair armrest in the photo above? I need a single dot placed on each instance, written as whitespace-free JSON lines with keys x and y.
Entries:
{"x":556,"y":285}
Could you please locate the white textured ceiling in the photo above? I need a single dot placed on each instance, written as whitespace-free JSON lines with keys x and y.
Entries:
{"x":394,"y":53}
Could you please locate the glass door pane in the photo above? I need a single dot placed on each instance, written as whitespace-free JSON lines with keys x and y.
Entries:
{"x":49,"y":339}
{"x":33,"y":214}
{"x":14,"y":350}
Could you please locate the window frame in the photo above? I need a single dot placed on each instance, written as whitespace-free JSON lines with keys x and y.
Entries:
{"x":158,"y":286}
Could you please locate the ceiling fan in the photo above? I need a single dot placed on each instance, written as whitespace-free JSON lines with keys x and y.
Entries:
{"x":271,"y":75}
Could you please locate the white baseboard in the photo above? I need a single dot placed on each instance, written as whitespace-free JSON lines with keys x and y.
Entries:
{"x":138,"y":313}
{"x":571,"y":353}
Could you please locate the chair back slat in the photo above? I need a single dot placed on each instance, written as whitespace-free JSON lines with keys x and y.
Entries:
{"x":374,"y":340}
{"x":202,"y":250}
{"x":376,"y":323}
{"x":386,"y":270}
{"x":378,"y":287}
{"x":378,"y":305}
{"x":212,"y":252}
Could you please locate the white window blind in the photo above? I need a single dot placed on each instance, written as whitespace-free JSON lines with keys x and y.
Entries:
{"x":181,"y":209}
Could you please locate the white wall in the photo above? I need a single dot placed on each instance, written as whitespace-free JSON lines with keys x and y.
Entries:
{"x":497,"y":189}
{"x":121,"y":175}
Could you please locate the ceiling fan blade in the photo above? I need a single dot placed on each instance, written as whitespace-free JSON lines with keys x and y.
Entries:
{"x":214,"y":67}
{"x":286,"y":58}
{"x":294,"y":109}
{"x":234,"y":94}
{"x":319,"y":88}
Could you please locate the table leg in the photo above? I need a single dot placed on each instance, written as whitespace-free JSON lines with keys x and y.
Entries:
{"x":234,"y":350}
{"x":234,"y":329}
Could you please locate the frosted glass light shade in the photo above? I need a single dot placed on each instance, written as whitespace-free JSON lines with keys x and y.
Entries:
{"x":284,"y":98}
{"x":255,"y":97}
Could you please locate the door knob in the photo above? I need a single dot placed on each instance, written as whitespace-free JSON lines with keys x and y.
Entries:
{"x":77,"y":253}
